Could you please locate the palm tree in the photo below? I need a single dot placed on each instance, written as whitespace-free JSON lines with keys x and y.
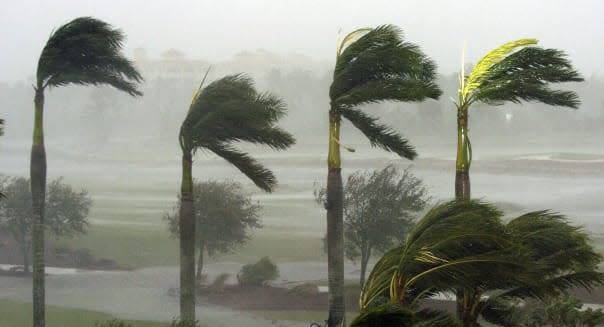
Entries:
{"x":514,"y":72}
{"x":372,"y":65}
{"x":464,"y":245}
{"x":228,"y":110}
{"x":85,"y":51}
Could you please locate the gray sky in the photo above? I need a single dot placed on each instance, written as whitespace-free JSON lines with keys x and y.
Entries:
{"x":216,"y":30}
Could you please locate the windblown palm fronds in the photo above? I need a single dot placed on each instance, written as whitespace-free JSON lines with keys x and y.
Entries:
{"x":228,"y":111}
{"x":87,"y":51}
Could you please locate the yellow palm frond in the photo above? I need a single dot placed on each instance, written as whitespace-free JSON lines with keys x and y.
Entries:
{"x":493,"y":57}
{"x":351,"y":38}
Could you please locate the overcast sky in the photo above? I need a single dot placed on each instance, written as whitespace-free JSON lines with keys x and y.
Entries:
{"x":215,"y":30}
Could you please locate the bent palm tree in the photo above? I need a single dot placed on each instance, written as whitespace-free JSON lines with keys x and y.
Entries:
{"x":85,"y":51}
{"x":463,"y":245}
{"x":513,"y":72}
{"x":372,"y":65}
{"x":226,"y":111}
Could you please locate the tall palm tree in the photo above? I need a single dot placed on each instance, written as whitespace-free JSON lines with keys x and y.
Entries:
{"x":464,"y":244}
{"x":85,"y":51}
{"x":514,"y":72}
{"x":228,"y":110}
{"x":372,"y":65}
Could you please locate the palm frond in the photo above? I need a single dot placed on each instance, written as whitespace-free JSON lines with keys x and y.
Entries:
{"x":381,"y":57}
{"x":261,"y":176}
{"x":483,"y":66}
{"x":525,"y":74}
{"x":230,"y":110}
{"x":384,"y":315}
{"x":86,"y":51}
{"x":379,"y":135}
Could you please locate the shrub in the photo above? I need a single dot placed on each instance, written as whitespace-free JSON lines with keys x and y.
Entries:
{"x":258,"y":273}
{"x":113,"y":323}
{"x":82,"y":257}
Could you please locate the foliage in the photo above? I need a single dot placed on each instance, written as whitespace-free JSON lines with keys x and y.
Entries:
{"x":83,"y":257}
{"x":113,"y":323}
{"x":224,"y":216}
{"x":228,"y":111}
{"x":86,"y":51}
{"x":379,"y":209}
{"x":561,"y":311}
{"x":258,"y":273}
{"x":375,"y":65}
{"x":66,"y":210}
{"x":465,"y":245}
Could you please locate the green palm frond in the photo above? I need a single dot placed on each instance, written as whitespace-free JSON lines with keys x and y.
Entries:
{"x":230,"y":110}
{"x":456,"y":244}
{"x":86,"y":51}
{"x":382,"y":57}
{"x":525,"y":74}
{"x":261,"y":176}
{"x":385,"y":315}
{"x":483,"y":66}
{"x":379,"y":135}
{"x":375,"y":65}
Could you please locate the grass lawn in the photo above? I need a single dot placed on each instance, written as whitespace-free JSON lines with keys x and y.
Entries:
{"x":143,"y":246}
{"x":19,"y":314}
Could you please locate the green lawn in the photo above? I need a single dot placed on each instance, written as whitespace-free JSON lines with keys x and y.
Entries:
{"x":142,"y":246}
{"x":13,"y":314}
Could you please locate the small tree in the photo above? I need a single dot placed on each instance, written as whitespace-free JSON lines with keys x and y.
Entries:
{"x":224,"y":216}
{"x":66,"y":211}
{"x":379,"y":209}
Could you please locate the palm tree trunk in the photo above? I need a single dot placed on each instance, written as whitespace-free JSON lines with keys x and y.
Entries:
{"x":365,"y":255}
{"x":464,"y":156}
{"x":335,"y":227}
{"x":187,"y":241}
{"x":25,"y":251}
{"x":199,"y":266}
{"x":462,"y":180}
{"x":38,"y":191}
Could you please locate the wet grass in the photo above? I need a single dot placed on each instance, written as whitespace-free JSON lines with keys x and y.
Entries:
{"x":19,"y":314}
{"x":143,"y":246}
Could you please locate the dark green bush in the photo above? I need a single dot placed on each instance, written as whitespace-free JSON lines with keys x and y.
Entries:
{"x":113,"y":323}
{"x":258,"y":273}
{"x":82,"y":257}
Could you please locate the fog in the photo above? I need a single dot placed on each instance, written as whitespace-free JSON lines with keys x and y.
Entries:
{"x":125,"y":151}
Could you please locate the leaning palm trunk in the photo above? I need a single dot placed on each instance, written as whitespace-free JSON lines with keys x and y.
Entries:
{"x":335,"y":227}
{"x":464,"y":156}
{"x":84,"y":51}
{"x":38,"y":191}
{"x":187,"y":241}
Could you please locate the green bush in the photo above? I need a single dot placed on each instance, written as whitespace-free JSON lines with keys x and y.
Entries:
{"x":113,"y":323}
{"x":258,"y":273}
{"x":83,"y":257}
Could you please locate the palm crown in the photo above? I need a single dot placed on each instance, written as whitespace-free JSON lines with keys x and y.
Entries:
{"x":376,"y":65}
{"x":86,"y":51}
{"x":231,"y":110}
{"x":509,"y":74}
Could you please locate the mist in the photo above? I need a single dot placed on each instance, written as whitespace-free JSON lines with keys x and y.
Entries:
{"x":125,"y":150}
